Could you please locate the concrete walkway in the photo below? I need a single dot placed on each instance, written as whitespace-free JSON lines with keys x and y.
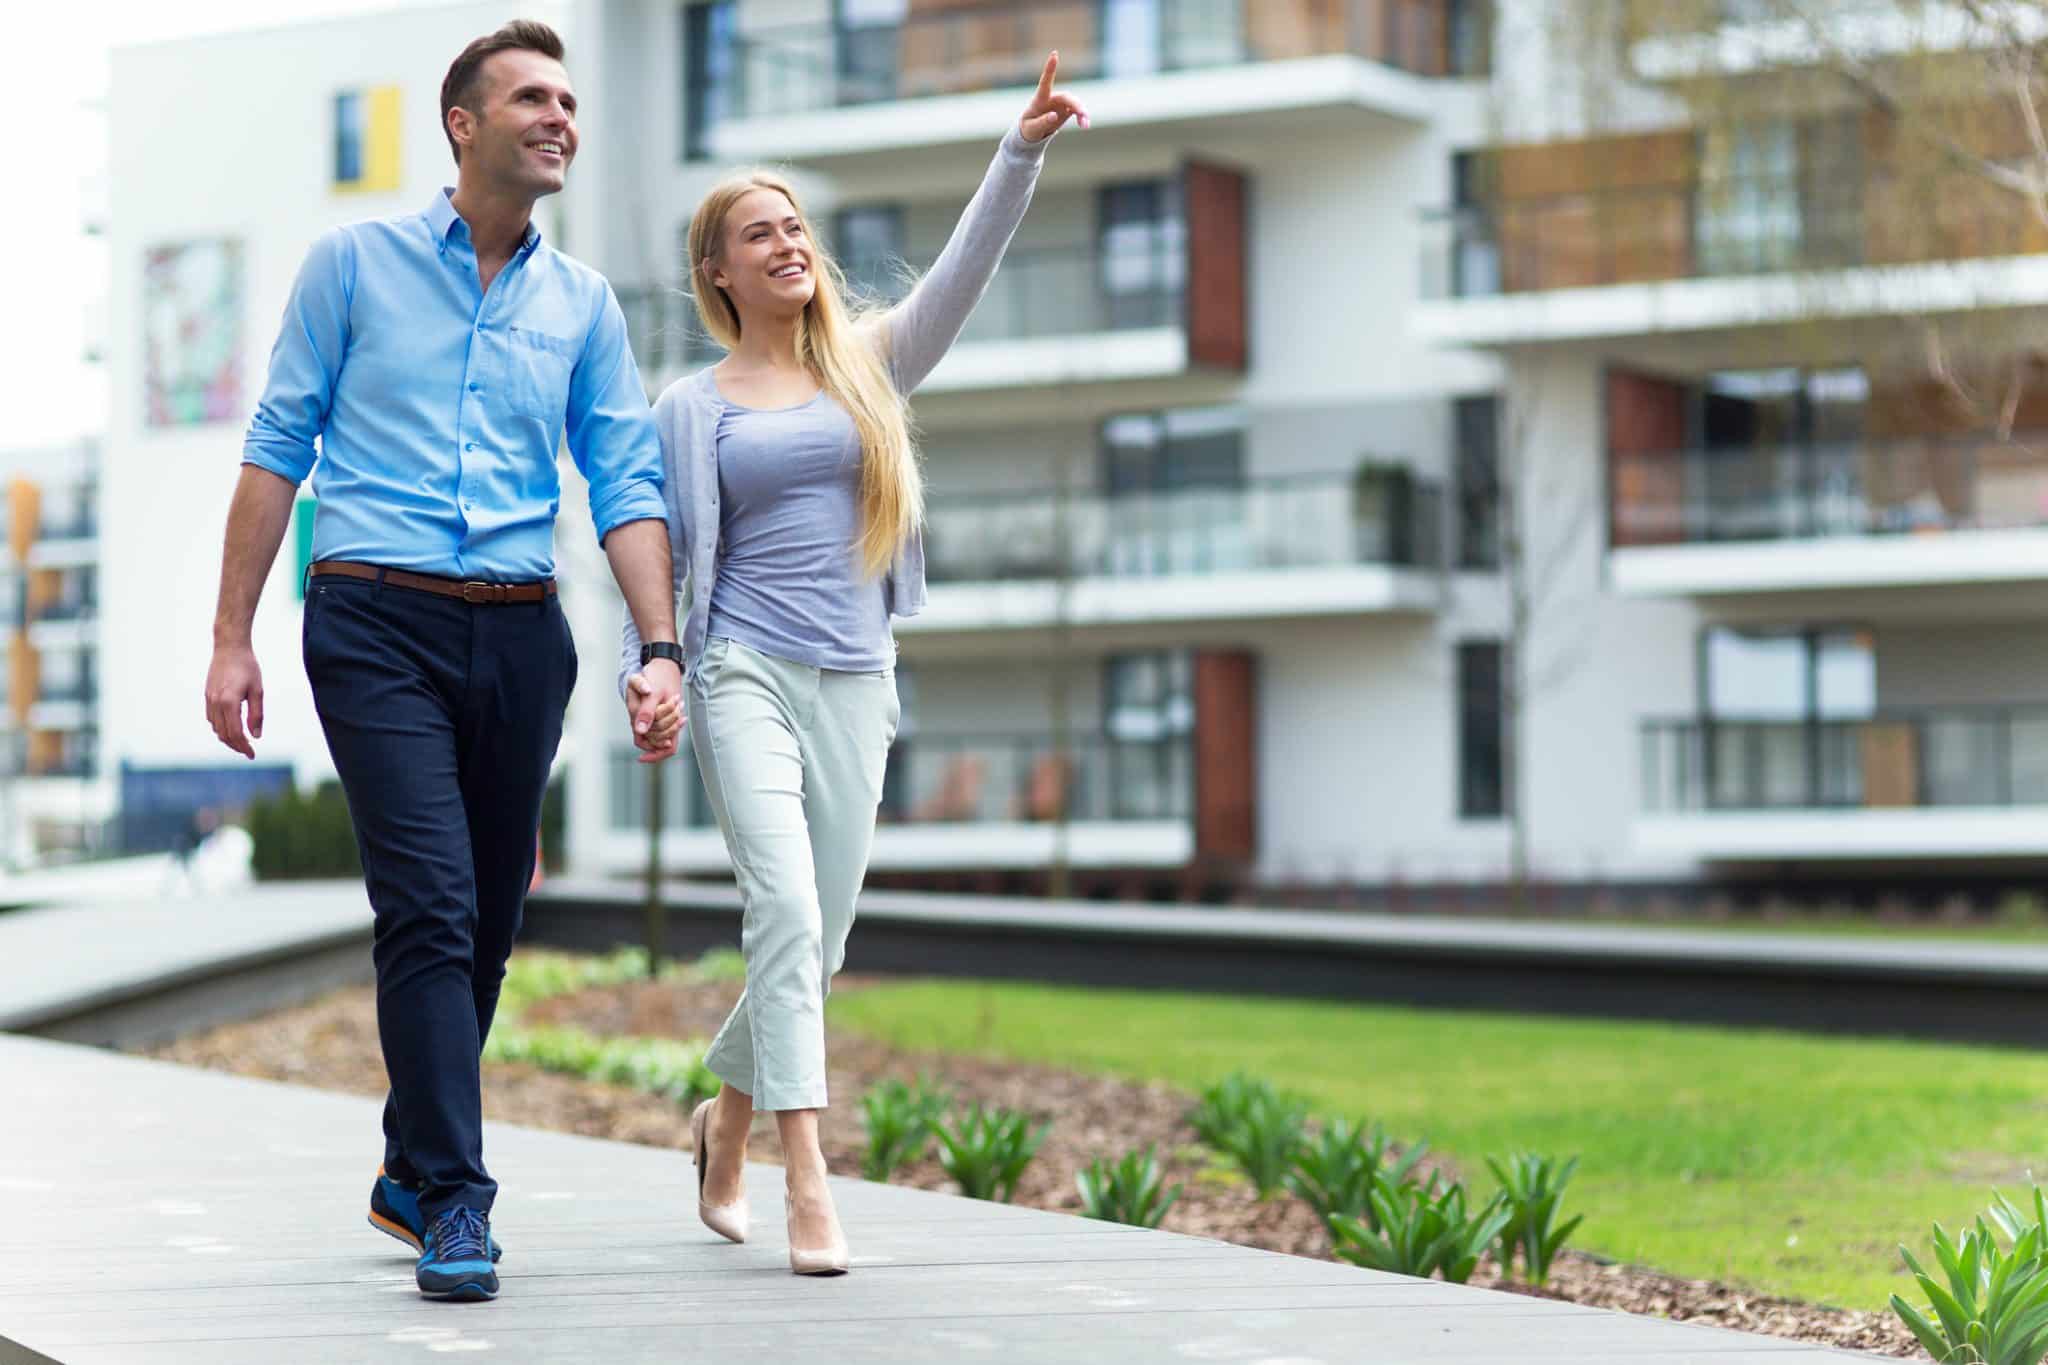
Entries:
{"x":163,"y":1214}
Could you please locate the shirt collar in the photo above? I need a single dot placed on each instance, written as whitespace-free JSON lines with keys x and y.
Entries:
{"x":444,"y":220}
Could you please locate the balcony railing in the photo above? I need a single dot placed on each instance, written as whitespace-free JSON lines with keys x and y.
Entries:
{"x":1714,"y":228}
{"x":800,"y":69}
{"x":1375,"y":517}
{"x":1039,"y":292}
{"x":82,"y":524}
{"x":939,"y":779}
{"x":1838,"y":488}
{"x":955,"y":779}
{"x":1951,"y":756}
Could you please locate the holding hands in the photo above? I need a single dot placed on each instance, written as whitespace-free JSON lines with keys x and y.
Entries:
{"x":1048,"y":112}
{"x":654,"y":709}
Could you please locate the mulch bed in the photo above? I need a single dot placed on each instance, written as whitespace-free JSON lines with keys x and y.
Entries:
{"x":332,"y":1043}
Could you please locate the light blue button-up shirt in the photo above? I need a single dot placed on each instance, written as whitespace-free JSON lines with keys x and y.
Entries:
{"x":438,"y":407}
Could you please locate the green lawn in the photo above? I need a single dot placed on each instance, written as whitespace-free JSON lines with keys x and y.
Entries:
{"x":1788,"y":1163}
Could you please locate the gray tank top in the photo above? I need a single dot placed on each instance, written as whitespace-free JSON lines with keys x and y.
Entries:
{"x":789,"y":580}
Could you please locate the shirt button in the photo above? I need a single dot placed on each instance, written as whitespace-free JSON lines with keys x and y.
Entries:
{"x":469,"y":445}
{"x":474,"y":387}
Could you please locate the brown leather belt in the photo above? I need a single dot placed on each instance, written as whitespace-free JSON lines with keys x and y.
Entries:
{"x":474,"y":593}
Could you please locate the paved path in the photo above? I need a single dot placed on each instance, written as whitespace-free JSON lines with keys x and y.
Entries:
{"x":132,"y":970}
{"x":162,"y":1214}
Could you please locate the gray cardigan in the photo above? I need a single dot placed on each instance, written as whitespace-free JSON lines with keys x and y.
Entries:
{"x":915,"y":336}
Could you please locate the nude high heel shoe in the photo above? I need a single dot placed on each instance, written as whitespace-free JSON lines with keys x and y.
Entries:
{"x":727,"y":1220}
{"x":831,"y":1260}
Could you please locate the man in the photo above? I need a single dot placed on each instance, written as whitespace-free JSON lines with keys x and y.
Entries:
{"x":439,"y":358}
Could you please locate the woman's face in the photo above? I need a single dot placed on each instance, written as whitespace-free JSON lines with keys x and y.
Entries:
{"x":767,"y":266}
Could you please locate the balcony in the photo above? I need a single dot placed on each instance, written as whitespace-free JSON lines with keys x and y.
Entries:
{"x":814,"y":91}
{"x":1320,"y":545}
{"x":1946,"y":782}
{"x":1058,"y":315}
{"x":1600,"y":241}
{"x":953,"y":801}
{"x":1919,"y":511}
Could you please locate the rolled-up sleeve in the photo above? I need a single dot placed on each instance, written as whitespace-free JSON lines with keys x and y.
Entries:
{"x":305,"y":363}
{"x":611,"y":428}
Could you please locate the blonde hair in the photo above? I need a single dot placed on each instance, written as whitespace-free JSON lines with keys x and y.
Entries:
{"x":842,"y":351}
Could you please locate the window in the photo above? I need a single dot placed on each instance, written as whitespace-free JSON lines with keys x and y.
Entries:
{"x":1131,"y":38}
{"x":710,"y":73}
{"x":1159,"y":452}
{"x":366,"y":139}
{"x":1782,"y":715}
{"x":869,"y":244}
{"x":1471,"y":37}
{"x":1143,"y":244}
{"x":1175,"y":482}
{"x":1482,"y":730}
{"x":1477,"y":422}
{"x":1782,"y":452}
{"x":870,"y":34}
{"x":1778,"y":195}
{"x":1475,"y":238}
{"x":1148,"y":716}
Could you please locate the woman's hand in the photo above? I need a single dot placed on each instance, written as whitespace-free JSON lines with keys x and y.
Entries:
{"x":1048,"y":112}
{"x":660,"y":739}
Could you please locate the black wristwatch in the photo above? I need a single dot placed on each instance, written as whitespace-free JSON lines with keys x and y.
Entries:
{"x":662,"y":649}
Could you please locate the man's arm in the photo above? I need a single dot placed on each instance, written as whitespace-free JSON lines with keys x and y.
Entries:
{"x":257,"y":518}
{"x":639,"y":555}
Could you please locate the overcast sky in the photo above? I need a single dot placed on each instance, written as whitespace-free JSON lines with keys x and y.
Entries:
{"x":47,"y":393}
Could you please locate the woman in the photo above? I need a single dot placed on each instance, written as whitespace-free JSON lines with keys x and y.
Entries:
{"x":794,"y":501}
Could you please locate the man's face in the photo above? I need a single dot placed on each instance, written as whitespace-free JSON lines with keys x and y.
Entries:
{"x":524,"y":136}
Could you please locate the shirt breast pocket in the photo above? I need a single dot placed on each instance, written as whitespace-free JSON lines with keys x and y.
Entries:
{"x":540,"y":364}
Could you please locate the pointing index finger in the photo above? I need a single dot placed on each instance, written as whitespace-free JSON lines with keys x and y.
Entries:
{"x":1052,"y":66}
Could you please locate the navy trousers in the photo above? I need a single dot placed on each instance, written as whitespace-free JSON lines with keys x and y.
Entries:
{"x":443,"y":718}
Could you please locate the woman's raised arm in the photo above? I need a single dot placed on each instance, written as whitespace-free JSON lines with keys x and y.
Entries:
{"x":919,"y":331}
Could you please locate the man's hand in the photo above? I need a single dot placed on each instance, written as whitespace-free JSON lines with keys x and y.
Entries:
{"x":654,"y":708}
{"x":1047,"y":110}
{"x":232,"y":680}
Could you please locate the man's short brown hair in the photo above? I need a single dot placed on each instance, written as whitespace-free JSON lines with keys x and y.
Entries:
{"x":464,"y":80}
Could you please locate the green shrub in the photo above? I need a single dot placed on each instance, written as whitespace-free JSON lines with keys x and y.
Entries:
{"x":986,"y":1152}
{"x":658,"y":1066}
{"x":1533,"y":1186}
{"x":1338,"y":1172}
{"x":1421,"y":1230}
{"x":901,"y":1122}
{"x":1258,"y":1128}
{"x":533,"y":977}
{"x":1222,"y":1107}
{"x":719,"y":964}
{"x":1128,"y":1192}
{"x":294,"y":837}
{"x":1993,"y":1308}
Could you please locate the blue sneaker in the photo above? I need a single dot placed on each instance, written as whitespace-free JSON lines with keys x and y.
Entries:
{"x":395,"y":1212}
{"x":457,"y":1263}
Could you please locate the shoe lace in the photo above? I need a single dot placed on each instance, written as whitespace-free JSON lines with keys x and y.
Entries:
{"x":459,"y":1234}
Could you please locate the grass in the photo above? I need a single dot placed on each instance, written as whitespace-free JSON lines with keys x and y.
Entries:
{"x":1791,"y":1164}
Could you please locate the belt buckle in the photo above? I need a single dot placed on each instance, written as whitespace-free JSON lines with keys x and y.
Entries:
{"x":478,"y":594}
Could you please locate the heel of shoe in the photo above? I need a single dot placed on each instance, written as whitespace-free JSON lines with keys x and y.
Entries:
{"x":727,"y":1220}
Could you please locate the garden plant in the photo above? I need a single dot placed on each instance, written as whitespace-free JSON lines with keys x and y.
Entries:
{"x":1533,"y":1186}
{"x":1989,"y":1305}
{"x":987,"y":1150}
{"x":1422,"y":1230}
{"x":901,"y":1120}
{"x":1129,"y":1191}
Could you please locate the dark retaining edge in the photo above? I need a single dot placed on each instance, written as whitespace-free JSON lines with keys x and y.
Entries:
{"x":158,"y":1009}
{"x":1896,"y":989}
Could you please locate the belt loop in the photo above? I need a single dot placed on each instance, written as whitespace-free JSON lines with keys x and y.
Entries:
{"x":381,"y":571}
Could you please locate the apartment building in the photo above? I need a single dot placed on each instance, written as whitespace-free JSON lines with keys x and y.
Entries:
{"x":1215,"y":471}
{"x":53,"y":796}
{"x":1804,"y":623}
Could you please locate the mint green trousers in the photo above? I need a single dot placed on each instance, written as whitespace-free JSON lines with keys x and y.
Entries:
{"x":792,"y":758}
